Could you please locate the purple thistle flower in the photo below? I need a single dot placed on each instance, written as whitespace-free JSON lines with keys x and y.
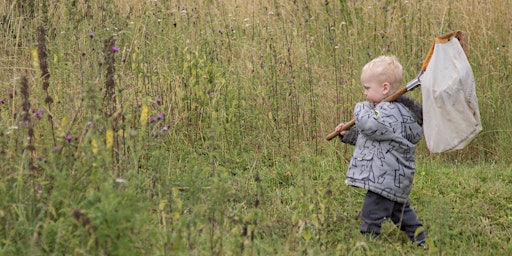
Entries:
{"x":115,"y":49}
{"x":2,"y":101}
{"x":159,"y":101}
{"x":164,"y":130}
{"x":91,"y":34}
{"x":13,"y":93}
{"x":153,"y":119}
{"x":69,"y":138}
{"x":160,"y":116}
{"x":39,"y":114}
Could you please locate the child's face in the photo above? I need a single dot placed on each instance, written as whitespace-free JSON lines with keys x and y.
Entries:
{"x":374,"y":89}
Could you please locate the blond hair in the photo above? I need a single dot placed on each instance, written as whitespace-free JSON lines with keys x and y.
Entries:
{"x":386,"y":68}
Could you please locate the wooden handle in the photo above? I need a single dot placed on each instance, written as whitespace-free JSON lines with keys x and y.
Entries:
{"x":351,"y":123}
{"x":344,"y":128}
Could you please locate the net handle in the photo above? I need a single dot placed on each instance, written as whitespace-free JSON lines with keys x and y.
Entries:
{"x":442,"y":39}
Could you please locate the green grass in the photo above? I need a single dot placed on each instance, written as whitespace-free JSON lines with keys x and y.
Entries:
{"x":204,"y":134}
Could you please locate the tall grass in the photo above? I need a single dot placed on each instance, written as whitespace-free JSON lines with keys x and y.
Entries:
{"x":197,"y":127}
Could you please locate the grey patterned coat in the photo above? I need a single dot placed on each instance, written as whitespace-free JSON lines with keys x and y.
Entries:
{"x":384,"y":154}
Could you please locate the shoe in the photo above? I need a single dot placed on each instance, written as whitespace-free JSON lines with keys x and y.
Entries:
{"x":420,"y":239}
{"x":421,"y":244}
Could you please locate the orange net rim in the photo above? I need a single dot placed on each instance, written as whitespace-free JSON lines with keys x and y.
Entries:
{"x":445,"y":38}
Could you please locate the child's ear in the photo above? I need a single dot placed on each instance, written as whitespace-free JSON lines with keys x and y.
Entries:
{"x":386,"y":88}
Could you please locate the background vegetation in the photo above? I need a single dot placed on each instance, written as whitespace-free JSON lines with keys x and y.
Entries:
{"x":197,"y":127}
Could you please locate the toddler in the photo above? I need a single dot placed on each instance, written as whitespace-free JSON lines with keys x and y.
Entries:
{"x":385,"y":135}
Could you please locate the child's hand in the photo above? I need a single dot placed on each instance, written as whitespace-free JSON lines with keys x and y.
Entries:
{"x":339,"y":127}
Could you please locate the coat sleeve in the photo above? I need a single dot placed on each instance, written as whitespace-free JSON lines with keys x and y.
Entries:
{"x":376,"y":123}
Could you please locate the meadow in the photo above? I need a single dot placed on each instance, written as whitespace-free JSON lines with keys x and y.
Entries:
{"x":197,"y":127}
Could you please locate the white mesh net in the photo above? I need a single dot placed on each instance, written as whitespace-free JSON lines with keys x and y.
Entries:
{"x":451,"y":118}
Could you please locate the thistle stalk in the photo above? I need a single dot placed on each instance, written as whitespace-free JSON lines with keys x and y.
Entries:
{"x":42,"y":55}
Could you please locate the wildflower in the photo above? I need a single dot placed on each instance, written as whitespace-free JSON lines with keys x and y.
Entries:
{"x":144,"y":114}
{"x":153,"y":119}
{"x":115,"y":49}
{"x":164,"y":130}
{"x":39,"y":114}
{"x":220,"y":31}
{"x":94,"y":144}
{"x":91,"y":34}
{"x":69,"y":138}
{"x":13,"y":93}
{"x":160,"y":116}
{"x":159,"y":101}
{"x":2,"y":101}
{"x":109,"y":140}
{"x":54,"y":27}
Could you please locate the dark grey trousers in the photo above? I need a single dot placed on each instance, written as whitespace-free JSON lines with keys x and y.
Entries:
{"x":376,"y":209}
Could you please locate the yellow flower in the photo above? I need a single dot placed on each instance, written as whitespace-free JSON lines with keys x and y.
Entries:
{"x":109,"y":138}
{"x":64,"y":122}
{"x":144,"y":114}
{"x":35,"y":58}
{"x":94,"y":144}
